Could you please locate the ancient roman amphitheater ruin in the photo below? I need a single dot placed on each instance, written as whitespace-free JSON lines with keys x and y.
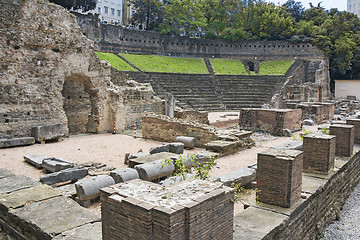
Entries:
{"x":271,"y":181}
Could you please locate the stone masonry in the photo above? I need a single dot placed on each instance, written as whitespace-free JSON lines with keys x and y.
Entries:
{"x":279,"y":177}
{"x":319,"y":153}
{"x":344,"y":139}
{"x":51,"y":75}
{"x":192,"y":209}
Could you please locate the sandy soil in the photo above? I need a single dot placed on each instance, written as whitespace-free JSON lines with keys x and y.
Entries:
{"x":105,"y":148}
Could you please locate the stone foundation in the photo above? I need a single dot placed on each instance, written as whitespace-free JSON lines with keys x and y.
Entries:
{"x":279,"y":177}
{"x":203,"y":211}
{"x":270,"y":120}
{"x":344,"y":139}
{"x":192,"y":115}
{"x":319,"y":153}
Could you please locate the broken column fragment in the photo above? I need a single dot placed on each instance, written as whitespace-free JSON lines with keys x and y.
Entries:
{"x":189,"y":142}
{"x":176,"y":147}
{"x":89,"y":188}
{"x":155,"y":170}
{"x":159,"y":149}
{"x":124,"y":174}
{"x":69,"y":174}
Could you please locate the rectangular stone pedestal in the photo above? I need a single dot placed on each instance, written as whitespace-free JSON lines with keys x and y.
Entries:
{"x":344,"y":139}
{"x":319,"y":153}
{"x":356,"y":124}
{"x":279,"y":177}
{"x":143,"y":210}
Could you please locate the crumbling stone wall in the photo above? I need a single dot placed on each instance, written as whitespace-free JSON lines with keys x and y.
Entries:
{"x":192,"y":115}
{"x":163,"y":128}
{"x":50,"y":74}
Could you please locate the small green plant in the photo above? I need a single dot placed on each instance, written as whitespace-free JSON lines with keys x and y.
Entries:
{"x":301,"y":136}
{"x":203,"y":170}
{"x":325,"y":131}
{"x":242,"y":194}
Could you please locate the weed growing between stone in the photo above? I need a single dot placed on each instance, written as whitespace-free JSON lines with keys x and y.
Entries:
{"x":301,"y":137}
{"x":241,"y":194}
{"x":202,"y":170}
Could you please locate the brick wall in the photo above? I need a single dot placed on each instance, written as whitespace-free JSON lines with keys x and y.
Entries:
{"x":270,"y":120}
{"x":162,"y":128}
{"x":314,"y":110}
{"x":206,"y":215}
{"x":319,"y":153}
{"x":279,"y":177}
{"x":344,"y":139}
{"x":356,"y":124}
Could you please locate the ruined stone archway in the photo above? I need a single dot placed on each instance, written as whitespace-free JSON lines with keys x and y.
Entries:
{"x":79,"y":103}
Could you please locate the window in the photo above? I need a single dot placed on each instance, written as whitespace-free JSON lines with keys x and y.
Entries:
{"x":113,"y":11}
{"x":350,"y":7}
{"x":106,"y":10}
{"x":99,"y":10}
{"x":118,"y":13}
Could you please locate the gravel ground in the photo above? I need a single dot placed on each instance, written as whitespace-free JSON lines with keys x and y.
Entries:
{"x":347,"y":228}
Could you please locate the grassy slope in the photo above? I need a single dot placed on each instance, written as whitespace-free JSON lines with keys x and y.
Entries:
{"x":274,"y":67}
{"x":228,"y":66}
{"x":115,"y":61}
{"x":153,"y":63}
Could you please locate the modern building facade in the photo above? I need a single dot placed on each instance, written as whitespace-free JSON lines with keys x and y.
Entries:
{"x":110,"y":11}
{"x":353,"y":6}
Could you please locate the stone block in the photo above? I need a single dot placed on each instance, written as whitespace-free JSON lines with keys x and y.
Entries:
{"x":89,"y":231}
{"x":35,"y":160}
{"x":159,"y":149}
{"x":25,"y":196}
{"x":56,"y":164}
{"x":226,"y":147}
{"x":155,"y":170}
{"x":5,"y":173}
{"x":14,"y":183}
{"x":279,"y":177}
{"x":47,"y":219}
{"x":204,"y":156}
{"x":48,"y":132}
{"x":240,"y":177}
{"x":319,"y":153}
{"x":189,"y":142}
{"x":150,"y":158}
{"x":69,"y":174}
{"x":15,"y":142}
{"x":356,"y":124}
{"x":344,"y":139}
{"x":89,"y":188}
{"x":124,"y":175}
{"x":176,"y":147}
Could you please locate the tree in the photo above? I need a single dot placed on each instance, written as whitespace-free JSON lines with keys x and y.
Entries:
{"x":148,"y":12}
{"x":296,"y":9}
{"x":83,"y":5}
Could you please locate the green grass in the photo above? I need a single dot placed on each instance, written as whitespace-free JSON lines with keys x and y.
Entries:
{"x":115,"y":61}
{"x":228,"y":66}
{"x":154,"y":63}
{"x":274,"y":67}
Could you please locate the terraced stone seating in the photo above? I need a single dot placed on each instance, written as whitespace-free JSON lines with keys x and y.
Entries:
{"x":203,"y":92}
